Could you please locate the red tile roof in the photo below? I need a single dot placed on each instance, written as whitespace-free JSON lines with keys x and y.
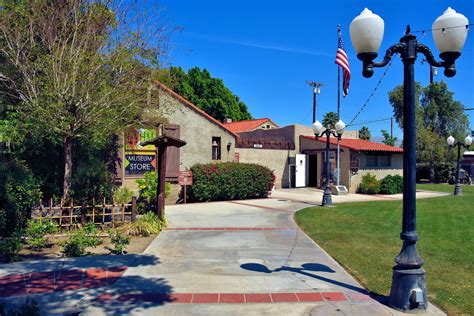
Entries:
{"x":247,"y":125}
{"x":359,"y":144}
{"x":194,"y":107}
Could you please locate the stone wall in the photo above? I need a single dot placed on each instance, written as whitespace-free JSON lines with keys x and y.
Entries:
{"x":379,"y":174}
{"x":197,"y":131}
{"x":274,"y":159}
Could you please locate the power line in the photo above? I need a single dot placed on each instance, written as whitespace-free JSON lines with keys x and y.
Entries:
{"x":371,"y":94}
{"x":444,"y":28}
{"x":374,"y":121}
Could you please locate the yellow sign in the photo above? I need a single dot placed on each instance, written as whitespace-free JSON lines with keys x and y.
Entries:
{"x":134,"y":136}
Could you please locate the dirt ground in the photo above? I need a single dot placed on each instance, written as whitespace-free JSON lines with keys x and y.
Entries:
{"x":137,"y":245}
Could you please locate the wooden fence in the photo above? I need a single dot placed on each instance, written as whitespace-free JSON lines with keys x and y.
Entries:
{"x":71,"y":215}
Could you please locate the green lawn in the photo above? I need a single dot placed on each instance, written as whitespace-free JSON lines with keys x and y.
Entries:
{"x":364,"y":238}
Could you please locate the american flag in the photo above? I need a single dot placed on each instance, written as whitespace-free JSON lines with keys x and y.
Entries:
{"x":343,"y":61}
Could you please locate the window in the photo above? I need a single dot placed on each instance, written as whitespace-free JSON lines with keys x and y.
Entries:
{"x":384,"y":161}
{"x":216,"y":148}
{"x":378,"y":161}
{"x":372,"y":161}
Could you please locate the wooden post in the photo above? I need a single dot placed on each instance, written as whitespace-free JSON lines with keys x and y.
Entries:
{"x":51,"y":211}
{"x":83,"y":213}
{"x":103,"y":212}
{"x":160,"y":201}
{"x":134,"y":209}
{"x":60,"y":214}
{"x":113,"y":213}
{"x":123,"y":213}
{"x":185,"y":194}
{"x":93,"y":210}
{"x":71,"y":211}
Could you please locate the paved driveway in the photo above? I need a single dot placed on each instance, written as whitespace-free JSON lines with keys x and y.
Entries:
{"x":235,"y":258}
{"x":223,"y":258}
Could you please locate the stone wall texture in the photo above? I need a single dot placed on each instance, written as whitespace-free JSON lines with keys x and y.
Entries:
{"x":274,"y":159}
{"x":197,"y":131}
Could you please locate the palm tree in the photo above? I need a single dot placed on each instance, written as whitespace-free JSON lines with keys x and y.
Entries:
{"x":364,"y":133}
{"x":330,"y":119}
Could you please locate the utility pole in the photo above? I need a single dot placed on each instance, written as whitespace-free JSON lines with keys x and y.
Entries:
{"x":316,"y":90}
{"x":433,"y":70}
{"x":391,"y":127}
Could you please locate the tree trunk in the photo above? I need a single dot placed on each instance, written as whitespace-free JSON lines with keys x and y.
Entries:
{"x":432,"y":174}
{"x":67,"y":168}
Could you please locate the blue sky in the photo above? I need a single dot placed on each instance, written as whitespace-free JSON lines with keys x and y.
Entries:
{"x":265,"y":51}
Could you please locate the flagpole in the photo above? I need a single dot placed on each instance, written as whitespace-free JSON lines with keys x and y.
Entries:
{"x":338,"y":109}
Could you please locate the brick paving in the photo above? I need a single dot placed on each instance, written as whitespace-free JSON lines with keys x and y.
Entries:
{"x":58,"y":280}
{"x":237,"y":298}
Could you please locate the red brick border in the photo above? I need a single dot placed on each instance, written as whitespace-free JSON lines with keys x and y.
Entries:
{"x":240,"y":298}
{"x":76,"y":279}
{"x":227,"y":228}
{"x":60,"y":280}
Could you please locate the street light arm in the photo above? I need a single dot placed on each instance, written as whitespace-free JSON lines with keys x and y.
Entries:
{"x":449,"y":59}
{"x":368,"y":63}
{"x":421,"y":48}
{"x":398,"y":48}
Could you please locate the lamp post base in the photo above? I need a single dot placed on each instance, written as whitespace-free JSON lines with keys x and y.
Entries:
{"x":457,"y":189}
{"x":327,"y":197}
{"x":408,"y":292}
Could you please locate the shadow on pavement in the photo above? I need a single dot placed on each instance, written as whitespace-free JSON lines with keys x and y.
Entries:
{"x":103,"y":293}
{"x":314,"y":267}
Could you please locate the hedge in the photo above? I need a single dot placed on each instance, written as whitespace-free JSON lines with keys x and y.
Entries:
{"x":369,"y":184}
{"x":229,"y":181}
{"x":391,"y":184}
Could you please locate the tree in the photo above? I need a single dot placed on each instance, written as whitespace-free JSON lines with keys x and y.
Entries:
{"x":208,"y":93}
{"x":330,"y":119}
{"x":79,"y":69}
{"x":438,"y":116}
{"x":364,"y":133}
{"x":388,"y":140}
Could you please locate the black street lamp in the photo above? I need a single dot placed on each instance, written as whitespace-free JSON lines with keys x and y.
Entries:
{"x":319,"y":132}
{"x":408,"y":291}
{"x":453,"y":143}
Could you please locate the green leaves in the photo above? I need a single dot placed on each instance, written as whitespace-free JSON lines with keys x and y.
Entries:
{"x":330,"y":119}
{"x":388,"y":140}
{"x":364,"y":133}
{"x":208,"y":93}
{"x":438,"y":116}
{"x":230,"y":180}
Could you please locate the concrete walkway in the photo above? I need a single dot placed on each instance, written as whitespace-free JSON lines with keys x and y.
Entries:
{"x":221,"y":258}
{"x":233,"y":258}
{"x":314,"y":196}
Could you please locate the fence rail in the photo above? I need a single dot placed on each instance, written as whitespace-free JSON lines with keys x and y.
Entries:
{"x":71,"y":215}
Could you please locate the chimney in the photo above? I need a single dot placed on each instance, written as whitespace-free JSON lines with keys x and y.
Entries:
{"x":227,"y":120}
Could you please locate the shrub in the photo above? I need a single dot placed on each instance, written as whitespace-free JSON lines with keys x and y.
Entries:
{"x":29,"y":308}
{"x":122,"y":195}
{"x":36,"y":231}
{"x":147,"y":187}
{"x":391,"y":184}
{"x":146,"y":225}
{"x":120,"y":241}
{"x":10,"y":247}
{"x":19,"y":192}
{"x":80,"y":239}
{"x":369,"y":184}
{"x":229,"y":181}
